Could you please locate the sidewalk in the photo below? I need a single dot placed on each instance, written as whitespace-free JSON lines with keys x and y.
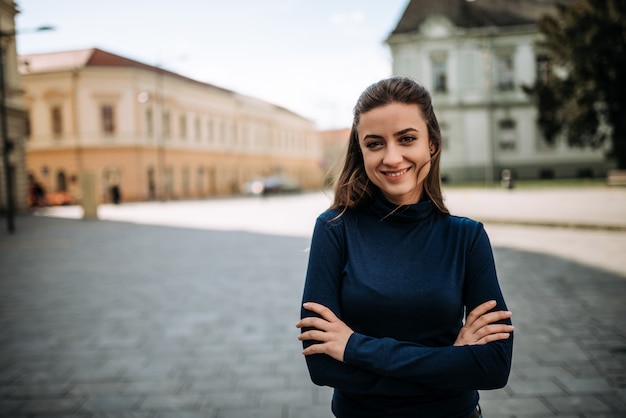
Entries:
{"x":600,"y":208}
{"x":187,"y":309}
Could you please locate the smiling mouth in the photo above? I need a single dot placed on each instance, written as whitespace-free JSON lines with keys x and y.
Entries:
{"x":395,"y":173}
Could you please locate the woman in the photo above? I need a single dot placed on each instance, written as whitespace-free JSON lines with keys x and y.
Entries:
{"x":391,"y":275}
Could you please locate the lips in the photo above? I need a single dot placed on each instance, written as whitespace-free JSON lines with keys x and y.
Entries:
{"x":395,"y":173}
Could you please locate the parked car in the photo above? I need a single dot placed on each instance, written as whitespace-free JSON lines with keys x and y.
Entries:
{"x":272,"y":185}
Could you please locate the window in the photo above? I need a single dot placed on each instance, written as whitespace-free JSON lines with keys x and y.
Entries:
{"x":440,"y":81}
{"x":209,"y":130}
{"x":149,"y":123}
{"x":108,"y":125}
{"x":543,"y":68}
{"x":57,"y":121}
{"x":183,"y":127}
{"x":166,"y":124}
{"x":151,"y":184}
{"x":61,"y":184}
{"x":505,"y":72}
{"x":27,"y":127}
{"x":200,"y":181}
{"x":508,"y":136}
{"x":198,"y":129}
{"x":185,"y":178}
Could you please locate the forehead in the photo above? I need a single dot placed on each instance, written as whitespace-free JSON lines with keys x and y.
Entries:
{"x":394,"y":116}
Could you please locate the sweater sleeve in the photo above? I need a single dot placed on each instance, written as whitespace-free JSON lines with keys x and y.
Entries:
{"x":445,"y":368}
{"x":323,"y":283}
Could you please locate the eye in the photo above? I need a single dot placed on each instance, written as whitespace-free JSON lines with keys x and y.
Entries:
{"x":374,"y":145}
{"x":407,"y":139}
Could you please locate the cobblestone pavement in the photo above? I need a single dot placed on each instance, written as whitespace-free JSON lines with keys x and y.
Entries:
{"x":115,"y":318}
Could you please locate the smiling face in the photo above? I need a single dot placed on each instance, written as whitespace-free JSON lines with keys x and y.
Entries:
{"x":396,"y":150}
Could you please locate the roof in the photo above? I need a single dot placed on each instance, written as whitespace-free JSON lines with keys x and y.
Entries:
{"x":83,"y":58}
{"x":94,"y":57}
{"x":475,"y":13}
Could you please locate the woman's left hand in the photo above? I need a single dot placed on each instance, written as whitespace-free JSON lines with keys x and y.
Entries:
{"x":331,"y":332}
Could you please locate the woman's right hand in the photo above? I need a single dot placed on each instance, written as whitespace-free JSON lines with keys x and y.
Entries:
{"x":480,"y":327}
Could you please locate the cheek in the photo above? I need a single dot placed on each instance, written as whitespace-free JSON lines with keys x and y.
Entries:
{"x":370,"y":164}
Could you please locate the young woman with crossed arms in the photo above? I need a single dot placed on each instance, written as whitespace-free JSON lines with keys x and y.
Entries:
{"x":392,"y":275}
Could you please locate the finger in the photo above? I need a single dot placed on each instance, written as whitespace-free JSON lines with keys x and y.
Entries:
{"x":321,"y":310}
{"x":493,"y":337}
{"x":488,"y":318}
{"x":315,"y":349}
{"x":480,"y":310}
{"x":313,"y":322}
{"x":491,"y":318}
{"x":313,"y":335}
{"x":493,"y":329}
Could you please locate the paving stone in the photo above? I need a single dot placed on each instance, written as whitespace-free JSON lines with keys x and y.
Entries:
{"x":177,"y":402}
{"x":56,"y":406}
{"x":153,"y":387}
{"x":9,"y":406}
{"x":214,"y":384}
{"x":98,"y":388}
{"x":586,"y":404}
{"x":30,"y":391}
{"x":228,"y":399}
{"x":111,"y":404}
{"x":49,"y":415}
{"x":309,"y":412}
{"x":201,"y":413}
{"x":577,"y":386}
{"x":286,"y":397}
{"x":533,"y":388}
{"x":125,"y":415}
{"x":146,"y":321}
{"x":515,"y":407}
{"x":257,"y":412}
{"x":538,"y":372}
{"x":560,"y":352}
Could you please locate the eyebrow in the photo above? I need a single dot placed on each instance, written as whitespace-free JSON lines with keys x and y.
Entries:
{"x":399,"y":133}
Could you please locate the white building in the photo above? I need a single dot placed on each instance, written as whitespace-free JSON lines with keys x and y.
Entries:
{"x":474,"y":57}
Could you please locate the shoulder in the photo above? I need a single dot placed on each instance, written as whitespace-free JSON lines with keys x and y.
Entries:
{"x":335,"y":221}
{"x":463,"y":226}
{"x":463,"y":222}
{"x":329,"y":215}
{"x":336,"y":217}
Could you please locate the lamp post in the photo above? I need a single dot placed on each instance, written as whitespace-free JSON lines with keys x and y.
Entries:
{"x":7,"y":145}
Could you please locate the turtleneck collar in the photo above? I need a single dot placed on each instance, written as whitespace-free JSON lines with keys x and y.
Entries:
{"x":386,"y":211}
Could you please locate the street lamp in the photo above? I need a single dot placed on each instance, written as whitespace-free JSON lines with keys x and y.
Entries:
{"x":7,"y":145}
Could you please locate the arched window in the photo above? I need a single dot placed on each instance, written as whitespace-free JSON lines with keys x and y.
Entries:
{"x":61,"y":185}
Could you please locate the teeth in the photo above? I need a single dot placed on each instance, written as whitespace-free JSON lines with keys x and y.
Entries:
{"x":396,"y":174}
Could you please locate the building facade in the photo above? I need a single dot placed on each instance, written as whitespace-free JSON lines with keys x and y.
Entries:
{"x":147,"y":133}
{"x":14,"y":115}
{"x":475,"y":57}
{"x":334,"y":144}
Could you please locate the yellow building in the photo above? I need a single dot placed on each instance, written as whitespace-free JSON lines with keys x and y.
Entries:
{"x":334,"y":143}
{"x":154,"y":134}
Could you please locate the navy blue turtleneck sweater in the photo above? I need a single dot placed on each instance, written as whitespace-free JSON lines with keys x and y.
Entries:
{"x":403,"y":279}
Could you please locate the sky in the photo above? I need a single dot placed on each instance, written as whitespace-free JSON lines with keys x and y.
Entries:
{"x":313,"y":57}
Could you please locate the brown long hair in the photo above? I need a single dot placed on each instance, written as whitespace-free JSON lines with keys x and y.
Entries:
{"x":352,"y":186}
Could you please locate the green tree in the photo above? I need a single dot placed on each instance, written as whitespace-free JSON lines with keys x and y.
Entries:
{"x":583,"y":90}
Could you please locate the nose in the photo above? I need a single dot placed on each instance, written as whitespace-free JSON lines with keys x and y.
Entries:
{"x":393,"y":155}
